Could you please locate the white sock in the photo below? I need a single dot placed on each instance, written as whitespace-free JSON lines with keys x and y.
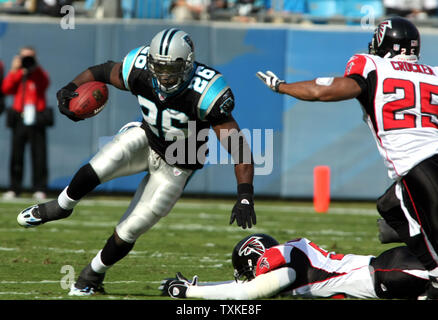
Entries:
{"x":97,"y":264}
{"x":65,"y":202}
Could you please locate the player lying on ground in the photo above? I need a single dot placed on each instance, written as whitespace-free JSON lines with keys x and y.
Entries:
{"x":398,"y":97}
{"x":264,"y":268}
{"x":174,"y":91}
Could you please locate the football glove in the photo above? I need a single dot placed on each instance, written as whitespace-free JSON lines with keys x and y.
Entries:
{"x":64,"y":95}
{"x":270,"y":79}
{"x":165,"y":284}
{"x":243,"y":210}
{"x":178,"y":288}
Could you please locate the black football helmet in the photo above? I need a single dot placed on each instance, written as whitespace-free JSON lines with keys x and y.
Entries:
{"x":395,"y":36}
{"x":247,"y":252}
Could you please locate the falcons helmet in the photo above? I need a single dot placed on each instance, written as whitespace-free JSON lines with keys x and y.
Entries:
{"x":247,"y":252}
{"x":395,"y":36}
{"x":171,"y":59}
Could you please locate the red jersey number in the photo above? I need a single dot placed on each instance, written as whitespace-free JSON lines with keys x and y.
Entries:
{"x":427,"y":92}
{"x":333,"y":256}
{"x":393,"y":108}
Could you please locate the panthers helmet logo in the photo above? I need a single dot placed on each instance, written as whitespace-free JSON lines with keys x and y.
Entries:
{"x":189,"y":41}
{"x":252,"y":245}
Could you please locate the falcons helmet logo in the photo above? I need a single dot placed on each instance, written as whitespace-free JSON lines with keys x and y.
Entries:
{"x":382,"y":30}
{"x":253,"y":244}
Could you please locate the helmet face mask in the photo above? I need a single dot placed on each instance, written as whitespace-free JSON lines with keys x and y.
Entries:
{"x":395,"y":36}
{"x":247,"y":252}
{"x":169,"y":75}
{"x":171,"y":59}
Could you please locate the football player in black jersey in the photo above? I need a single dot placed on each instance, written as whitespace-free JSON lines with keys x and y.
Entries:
{"x":180,"y":99}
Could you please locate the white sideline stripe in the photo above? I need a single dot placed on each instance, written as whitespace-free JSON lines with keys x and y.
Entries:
{"x":275,"y":207}
{"x":196,"y":205}
{"x":58,"y":281}
{"x":7,"y":249}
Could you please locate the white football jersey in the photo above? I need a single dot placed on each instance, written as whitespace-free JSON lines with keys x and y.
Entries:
{"x":400,"y":101}
{"x":320,"y":273}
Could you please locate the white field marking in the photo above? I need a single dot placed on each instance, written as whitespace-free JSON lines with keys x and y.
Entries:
{"x":215,"y":206}
{"x":57,"y":281}
{"x":328,"y":232}
{"x":186,"y":227}
{"x":8,"y":249}
{"x":158,"y":226}
{"x":94,"y":224}
{"x":62,"y":250}
{"x":15,"y":293}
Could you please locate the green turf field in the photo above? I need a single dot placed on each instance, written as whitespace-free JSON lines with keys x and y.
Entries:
{"x":195,"y":238}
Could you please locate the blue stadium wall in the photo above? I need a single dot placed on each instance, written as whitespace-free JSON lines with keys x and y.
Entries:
{"x":295,"y":136}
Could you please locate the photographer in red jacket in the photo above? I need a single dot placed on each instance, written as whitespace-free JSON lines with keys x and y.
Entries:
{"x":28,"y":119}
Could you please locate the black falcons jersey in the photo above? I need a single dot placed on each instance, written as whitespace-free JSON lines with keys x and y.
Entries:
{"x":177,"y":125}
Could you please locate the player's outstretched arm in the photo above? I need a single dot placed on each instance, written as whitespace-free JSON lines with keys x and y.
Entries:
{"x":233,"y":140}
{"x":108,"y":72}
{"x":263,"y":286}
{"x":320,"y":89}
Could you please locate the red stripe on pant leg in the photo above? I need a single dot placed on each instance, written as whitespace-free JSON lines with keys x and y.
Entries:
{"x":431,"y":250}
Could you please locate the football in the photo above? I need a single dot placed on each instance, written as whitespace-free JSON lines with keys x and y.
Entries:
{"x":90,"y":100}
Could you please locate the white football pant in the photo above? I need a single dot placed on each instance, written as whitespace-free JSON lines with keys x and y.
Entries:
{"x":129,"y":153}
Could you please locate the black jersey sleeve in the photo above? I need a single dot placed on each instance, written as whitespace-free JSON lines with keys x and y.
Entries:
{"x":361,"y":81}
{"x":221,"y":111}
{"x":132,"y":66}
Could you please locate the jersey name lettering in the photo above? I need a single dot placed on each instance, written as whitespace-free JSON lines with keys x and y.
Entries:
{"x":411,"y":67}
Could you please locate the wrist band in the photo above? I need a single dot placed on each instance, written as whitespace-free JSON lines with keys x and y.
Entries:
{"x":71,"y":86}
{"x":245,"y":188}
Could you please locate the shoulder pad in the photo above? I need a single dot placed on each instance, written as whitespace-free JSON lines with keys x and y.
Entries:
{"x":270,"y":260}
{"x":129,"y":62}
{"x":360,"y":64}
{"x":216,"y":87}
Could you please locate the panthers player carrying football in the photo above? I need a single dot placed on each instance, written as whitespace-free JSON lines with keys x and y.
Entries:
{"x":264,"y":268}
{"x":175,"y":93}
{"x":398,"y":97}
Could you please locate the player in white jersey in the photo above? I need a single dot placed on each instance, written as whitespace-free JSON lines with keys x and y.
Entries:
{"x":264,"y":268}
{"x":399,"y":98}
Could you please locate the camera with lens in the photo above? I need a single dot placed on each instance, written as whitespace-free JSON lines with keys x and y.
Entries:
{"x":28,"y":62}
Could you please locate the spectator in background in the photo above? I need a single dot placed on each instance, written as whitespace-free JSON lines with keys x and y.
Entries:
{"x":296,"y":6}
{"x":219,"y":10}
{"x":51,"y":7}
{"x":183,"y":10}
{"x":411,"y":8}
{"x":28,"y":119}
{"x":279,"y":9}
{"x":2,"y":96}
{"x":246,"y":9}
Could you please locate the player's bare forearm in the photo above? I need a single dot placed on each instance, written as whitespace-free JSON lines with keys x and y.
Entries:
{"x":322,"y":89}
{"x":234,"y":142}
{"x":83,"y":77}
{"x":244,"y":173}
